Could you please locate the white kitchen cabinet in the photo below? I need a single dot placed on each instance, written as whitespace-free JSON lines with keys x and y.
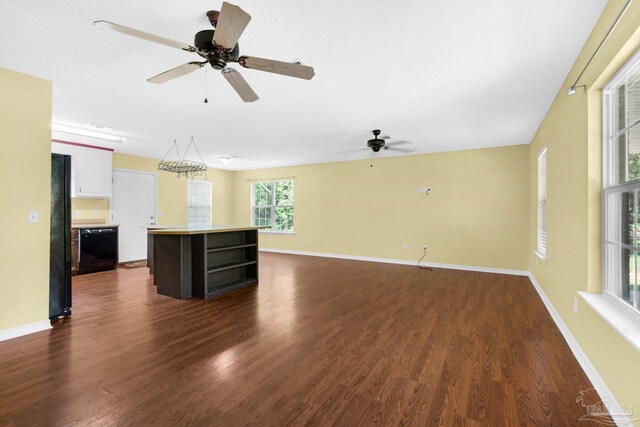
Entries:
{"x":91,"y":170}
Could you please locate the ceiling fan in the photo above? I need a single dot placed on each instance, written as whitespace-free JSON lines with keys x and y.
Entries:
{"x":376,"y":144}
{"x":218,"y":48}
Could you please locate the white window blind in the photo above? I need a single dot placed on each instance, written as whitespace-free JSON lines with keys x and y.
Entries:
{"x":198,"y":202}
{"x":542,"y":203}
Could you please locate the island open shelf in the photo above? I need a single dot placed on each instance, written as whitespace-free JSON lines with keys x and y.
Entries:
{"x":204,"y":262}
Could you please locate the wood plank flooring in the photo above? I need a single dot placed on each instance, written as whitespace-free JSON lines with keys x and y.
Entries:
{"x":318,"y":342}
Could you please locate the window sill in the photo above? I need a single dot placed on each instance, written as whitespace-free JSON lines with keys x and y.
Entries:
{"x":541,"y":257}
{"x":616,"y":313}
{"x":286,"y":233}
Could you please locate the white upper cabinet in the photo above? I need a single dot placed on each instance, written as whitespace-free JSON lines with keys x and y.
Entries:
{"x":91,"y":170}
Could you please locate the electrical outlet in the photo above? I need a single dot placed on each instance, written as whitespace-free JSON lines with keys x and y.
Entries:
{"x":32,"y":216}
{"x":326,"y":240}
{"x":308,"y":239}
{"x":405,"y":246}
{"x":424,"y":247}
{"x":575,"y":304}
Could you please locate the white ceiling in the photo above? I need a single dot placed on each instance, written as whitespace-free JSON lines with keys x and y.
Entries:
{"x":442,"y":74}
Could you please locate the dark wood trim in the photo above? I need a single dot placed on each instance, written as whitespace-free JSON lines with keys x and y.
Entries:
{"x":78,"y":144}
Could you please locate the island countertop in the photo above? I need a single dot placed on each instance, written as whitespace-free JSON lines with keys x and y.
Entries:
{"x":94,"y":225}
{"x":202,"y":229}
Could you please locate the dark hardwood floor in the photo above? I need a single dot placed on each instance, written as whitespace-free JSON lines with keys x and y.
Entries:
{"x":318,"y":342}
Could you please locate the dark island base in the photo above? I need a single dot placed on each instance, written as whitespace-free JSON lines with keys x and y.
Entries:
{"x":204,"y":265}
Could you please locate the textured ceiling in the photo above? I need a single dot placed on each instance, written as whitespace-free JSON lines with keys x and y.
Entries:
{"x":443,"y":75}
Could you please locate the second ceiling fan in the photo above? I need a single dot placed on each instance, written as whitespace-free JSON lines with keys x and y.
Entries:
{"x":376,"y":144}
{"x":218,"y":48}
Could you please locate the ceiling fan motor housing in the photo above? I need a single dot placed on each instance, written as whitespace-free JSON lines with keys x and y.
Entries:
{"x":375,"y":144}
{"x":218,"y":58}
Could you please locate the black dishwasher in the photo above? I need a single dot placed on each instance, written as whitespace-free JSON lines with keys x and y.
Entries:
{"x":98,"y":249}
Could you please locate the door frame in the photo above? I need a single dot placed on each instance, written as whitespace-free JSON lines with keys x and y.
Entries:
{"x":155,"y":192}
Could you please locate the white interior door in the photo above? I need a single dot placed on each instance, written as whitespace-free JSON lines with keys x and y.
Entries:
{"x":133,"y":207}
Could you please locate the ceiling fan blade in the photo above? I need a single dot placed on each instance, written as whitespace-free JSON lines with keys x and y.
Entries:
{"x":239,"y":84}
{"x":353,"y":150}
{"x":278,"y":67}
{"x":231,"y":23}
{"x":142,"y":35}
{"x":174,"y":73}
{"x":403,"y":150}
{"x":394,"y":143}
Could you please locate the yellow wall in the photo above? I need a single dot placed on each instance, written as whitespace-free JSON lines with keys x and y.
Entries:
{"x":572,"y":134}
{"x":476,"y":214}
{"x":172,"y":192}
{"x":25,"y":174}
{"x":82,"y":208}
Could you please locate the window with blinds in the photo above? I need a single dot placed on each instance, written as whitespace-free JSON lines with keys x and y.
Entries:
{"x":621,"y":184}
{"x":541,"y":249}
{"x":198,"y":202}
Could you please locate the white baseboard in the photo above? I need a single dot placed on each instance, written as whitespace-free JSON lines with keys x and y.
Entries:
{"x":581,"y":357}
{"x":402,"y":261}
{"x":29,"y":328}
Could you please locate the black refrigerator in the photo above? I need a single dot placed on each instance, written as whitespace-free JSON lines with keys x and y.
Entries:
{"x":60,"y":258}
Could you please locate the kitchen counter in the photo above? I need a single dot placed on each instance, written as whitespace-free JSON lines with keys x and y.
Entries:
{"x":203,"y":261}
{"x":94,"y":226}
{"x":203,"y":229}
{"x":150,"y":243}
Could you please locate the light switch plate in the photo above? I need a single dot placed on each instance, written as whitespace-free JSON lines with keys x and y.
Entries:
{"x":33,"y":216}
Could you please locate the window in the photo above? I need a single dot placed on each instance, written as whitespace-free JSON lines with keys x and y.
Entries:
{"x":621,"y":184}
{"x":272,"y":205}
{"x":198,"y":202}
{"x":541,"y":249}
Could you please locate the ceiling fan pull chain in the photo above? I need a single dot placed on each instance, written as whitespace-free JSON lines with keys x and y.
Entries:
{"x":205,"y":86}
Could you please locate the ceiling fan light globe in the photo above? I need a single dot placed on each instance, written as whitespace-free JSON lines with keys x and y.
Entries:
{"x":217,"y":63}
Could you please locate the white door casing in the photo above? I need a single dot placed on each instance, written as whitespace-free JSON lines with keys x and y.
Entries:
{"x":133,"y":207}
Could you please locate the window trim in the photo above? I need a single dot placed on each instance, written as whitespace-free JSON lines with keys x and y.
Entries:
{"x":541,"y":250}
{"x":608,"y":188}
{"x":273,"y":206}
{"x":620,"y":316}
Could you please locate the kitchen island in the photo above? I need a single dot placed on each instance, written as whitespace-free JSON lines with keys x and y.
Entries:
{"x":204,"y":261}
